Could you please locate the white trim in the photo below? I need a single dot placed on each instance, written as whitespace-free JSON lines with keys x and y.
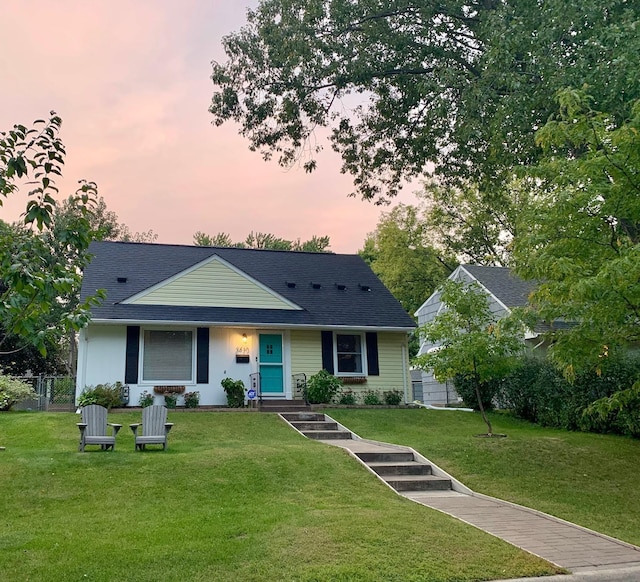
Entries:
{"x":244,"y":324}
{"x":363,"y":354}
{"x":142,"y":381}
{"x":133,"y":298}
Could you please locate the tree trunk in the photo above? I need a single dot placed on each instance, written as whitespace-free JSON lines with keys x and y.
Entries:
{"x":476,"y":382}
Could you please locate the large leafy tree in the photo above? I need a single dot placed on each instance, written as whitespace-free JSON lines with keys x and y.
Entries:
{"x":581,"y":232}
{"x":262,"y":240}
{"x":400,"y":252}
{"x":472,"y":342}
{"x":104,"y":223}
{"x":457,"y":84}
{"x":41,"y":260}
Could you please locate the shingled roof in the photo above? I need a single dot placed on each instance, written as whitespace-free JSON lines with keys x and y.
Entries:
{"x":503,"y":284}
{"x":346,"y":292}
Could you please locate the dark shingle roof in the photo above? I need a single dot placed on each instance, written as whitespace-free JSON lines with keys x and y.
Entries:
{"x":144,"y":265}
{"x":503,"y":284}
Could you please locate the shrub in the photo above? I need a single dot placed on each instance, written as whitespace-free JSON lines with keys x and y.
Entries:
{"x":234,"y":390}
{"x":146,"y":399}
{"x":618,"y":413}
{"x":171,"y":399}
{"x":347,"y":397}
{"x":107,"y":395}
{"x":371,"y":398}
{"x":13,"y":391}
{"x":392,"y":397}
{"x":466,"y":389}
{"x":192,"y":399}
{"x":322,"y":387}
{"x":537,"y":391}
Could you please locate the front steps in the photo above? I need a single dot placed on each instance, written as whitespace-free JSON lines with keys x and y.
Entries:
{"x":403,"y":473}
{"x":314,"y":426}
{"x":398,"y":469}
{"x":281,"y":405}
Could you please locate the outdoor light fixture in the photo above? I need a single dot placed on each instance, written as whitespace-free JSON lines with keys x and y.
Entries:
{"x":244,"y":338}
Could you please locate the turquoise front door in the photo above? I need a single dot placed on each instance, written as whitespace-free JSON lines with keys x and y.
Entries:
{"x":271,"y":374}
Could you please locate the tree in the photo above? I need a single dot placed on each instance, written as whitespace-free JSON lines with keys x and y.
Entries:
{"x":261,"y":240}
{"x":457,"y":84}
{"x":400,"y":252}
{"x":580,"y":235}
{"x":104,"y":223}
{"x":472,"y":342}
{"x":40,"y":263}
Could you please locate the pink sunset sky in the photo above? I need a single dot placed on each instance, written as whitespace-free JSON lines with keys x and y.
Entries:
{"x":131,"y":81}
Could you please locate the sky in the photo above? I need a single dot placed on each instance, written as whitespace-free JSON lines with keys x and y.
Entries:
{"x":131,"y":81}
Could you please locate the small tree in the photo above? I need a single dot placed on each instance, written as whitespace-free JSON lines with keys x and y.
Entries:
{"x":471,"y":340}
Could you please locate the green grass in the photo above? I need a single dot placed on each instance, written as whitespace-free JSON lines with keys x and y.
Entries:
{"x":237,"y":496}
{"x":585,"y":478}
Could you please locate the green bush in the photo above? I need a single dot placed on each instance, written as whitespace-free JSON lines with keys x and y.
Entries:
{"x":392,"y":397}
{"x":618,"y":413}
{"x":146,"y":399}
{"x":536,"y":391}
{"x":371,"y":398}
{"x":192,"y":399}
{"x":347,"y":397}
{"x":466,"y":389}
{"x":13,"y":391}
{"x":234,"y":390}
{"x":171,"y":399}
{"x":107,"y":395}
{"x":322,"y":387}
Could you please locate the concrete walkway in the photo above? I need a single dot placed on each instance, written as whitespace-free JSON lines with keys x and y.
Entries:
{"x":591,"y":556}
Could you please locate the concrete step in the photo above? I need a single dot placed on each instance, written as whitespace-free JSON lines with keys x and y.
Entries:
{"x":327,"y":434}
{"x":303,"y":416}
{"x":314,"y":425}
{"x":406,"y":483}
{"x":386,"y":457}
{"x":410,"y":468}
{"x":280,"y":405}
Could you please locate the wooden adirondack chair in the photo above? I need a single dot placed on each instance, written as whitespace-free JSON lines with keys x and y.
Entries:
{"x":93,"y":428}
{"x":155,"y":427}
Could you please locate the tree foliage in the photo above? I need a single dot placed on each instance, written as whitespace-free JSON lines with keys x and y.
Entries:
{"x":261,"y":240}
{"x":581,"y":233}
{"x":104,"y":223}
{"x":400,"y":252}
{"x":40,"y":259}
{"x":460,"y":85}
{"x":472,"y":342}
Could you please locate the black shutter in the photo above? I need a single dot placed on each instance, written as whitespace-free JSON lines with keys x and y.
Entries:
{"x":327,"y":351}
{"x":132,"y":355}
{"x":372,"y":354}
{"x":202,"y":356}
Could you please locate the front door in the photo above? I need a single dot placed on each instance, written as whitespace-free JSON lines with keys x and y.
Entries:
{"x":271,"y":369}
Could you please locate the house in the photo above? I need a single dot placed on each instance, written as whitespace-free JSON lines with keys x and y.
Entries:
{"x":191,"y":316}
{"x":505,"y":290}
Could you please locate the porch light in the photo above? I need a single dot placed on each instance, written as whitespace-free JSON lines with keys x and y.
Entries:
{"x":244,"y":338}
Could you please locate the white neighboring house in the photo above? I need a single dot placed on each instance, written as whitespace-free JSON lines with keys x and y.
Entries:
{"x":506,"y":291}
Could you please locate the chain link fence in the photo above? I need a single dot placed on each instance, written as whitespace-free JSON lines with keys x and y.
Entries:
{"x":53,"y":393}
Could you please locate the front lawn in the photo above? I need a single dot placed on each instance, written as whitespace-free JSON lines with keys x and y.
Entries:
{"x":237,"y":496}
{"x":585,"y":478}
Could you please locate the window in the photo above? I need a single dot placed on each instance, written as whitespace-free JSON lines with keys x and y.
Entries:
{"x":349,"y":354}
{"x":167,"y":356}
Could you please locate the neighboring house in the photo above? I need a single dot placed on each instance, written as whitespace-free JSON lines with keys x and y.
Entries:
{"x":192,"y":316}
{"x":506,"y":291}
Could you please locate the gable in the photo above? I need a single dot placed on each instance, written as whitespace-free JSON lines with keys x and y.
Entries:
{"x":212,"y":283}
